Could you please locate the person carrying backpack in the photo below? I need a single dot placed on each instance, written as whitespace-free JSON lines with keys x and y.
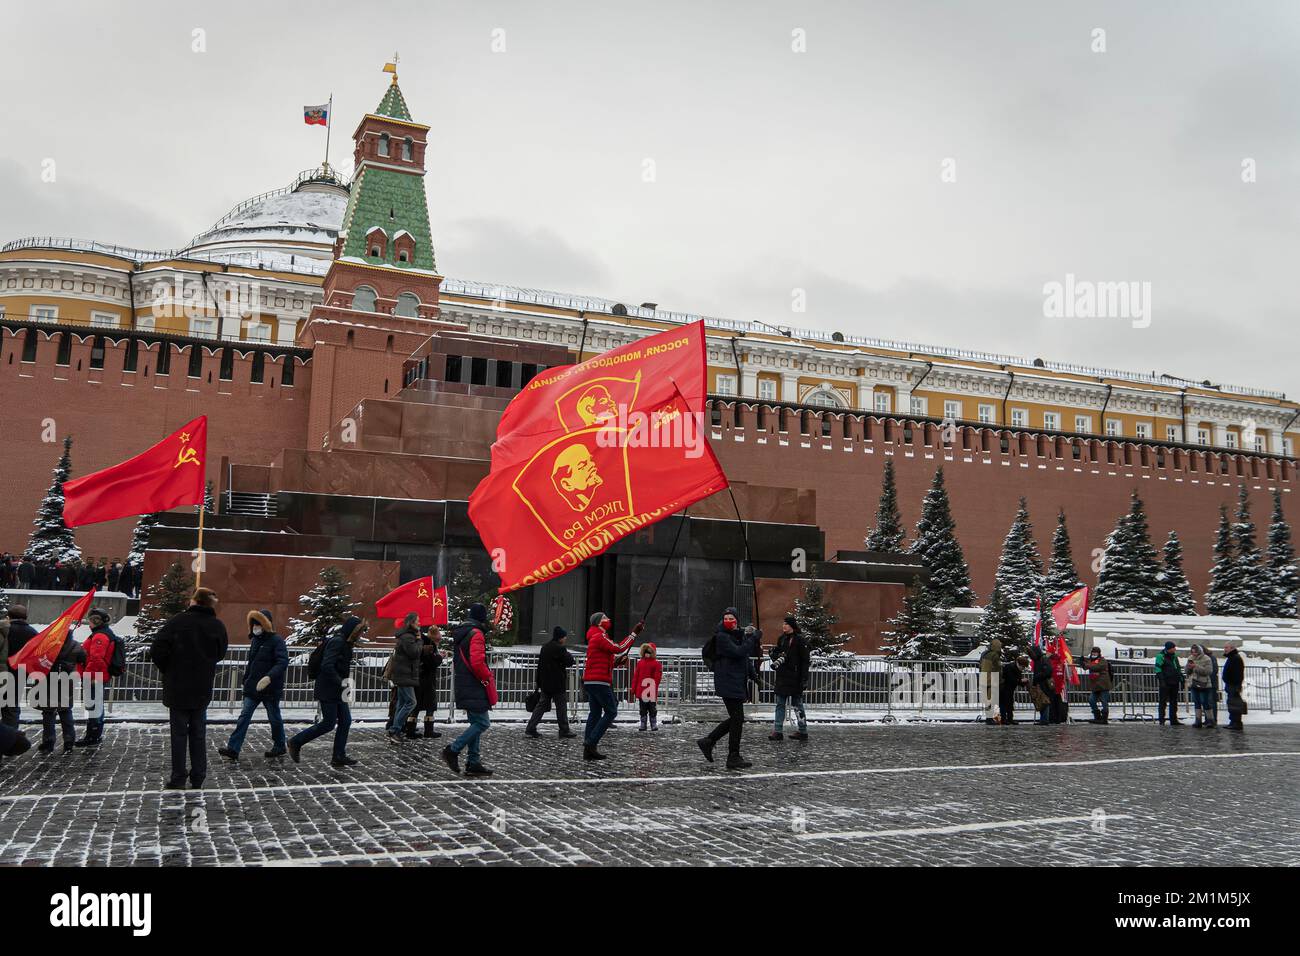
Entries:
{"x":331,"y":663}
{"x":105,"y":659}
{"x":733,"y":654}
{"x":1100,"y":681}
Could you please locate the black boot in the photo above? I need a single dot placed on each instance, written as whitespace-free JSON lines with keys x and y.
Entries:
{"x":429,"y":732}
{"x":706,"y":746}
{"x":737,"y":762}
{"x":452,"y":759}
{"x":409,"y":730}
{"x":589,"y":752}
{"x":275,"y":752}
{"x":531,"y":732}
{"x":477,"y":770}
{"x":228,"y":753}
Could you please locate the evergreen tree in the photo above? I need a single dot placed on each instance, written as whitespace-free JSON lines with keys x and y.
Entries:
{"x":1251,"y":572}
{"x":1046,"y":628}
{"x":466,"y":588}
{"x":324,"y":608}
{"x":1020,"y":570}
{"x":1129,"y":566}
{"x":1062,"y":578}
{"x":140,"y":538}
{"x":209,"y":499}
{"x":1283,"y":585}
{"x":1173,"y":593}
{"x":922,"y":631}
{"x":999,"y":620}
{"x":4,"y":602}
{"x":1225,"y":575}
{"x":162,"y":601}
{"x":52,"y":540}
{"x":888,"y":534}
{"x":817,"y":622}
{"x":936,"y":546}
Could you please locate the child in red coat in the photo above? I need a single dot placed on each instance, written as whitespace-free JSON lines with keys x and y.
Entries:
{"x":645,"y":685}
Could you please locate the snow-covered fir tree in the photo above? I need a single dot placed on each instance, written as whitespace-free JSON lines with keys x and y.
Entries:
{"x":324,"y":608}
{"x":4,"y":602}
{"x":1225,"y":576}
{"x":209,"y":499}
{"x":936,"y":546}
{"x":1283,"y":583}
{"x":921,"y":630}
{"x":466,"y":588}
{"x":1173,"y":591}
{"x":888,"y":533}
{"x":140,"y":537}
{"x":1250,"y":567}
{"x":1129,"y":565}
{"x":999,"y":620}
{"x":1062,"y":578}
{"x":1046,"y":626}
{"x":163,"y":600}
{"x":1020,"y":570}
{"x":817,"y":622}
{"x":52,"y":540}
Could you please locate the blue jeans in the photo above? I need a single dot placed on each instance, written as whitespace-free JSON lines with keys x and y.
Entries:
{"x":468,"y":740}
{"x":332,"y":712}
{"x":405,"y":704}
{"x":1102,"y":698}
{"x":1203,"y":698}
{"x":604,"y":708}
{"x":796,"y":701}
{"x":63,"y":715}
{"x":246,"y":717}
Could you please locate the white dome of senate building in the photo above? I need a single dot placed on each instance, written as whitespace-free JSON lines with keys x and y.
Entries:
{"x":291,"y":226}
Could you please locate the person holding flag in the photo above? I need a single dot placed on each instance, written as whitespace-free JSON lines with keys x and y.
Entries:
{"x":54,"y":655}
{"x":598,"y":680}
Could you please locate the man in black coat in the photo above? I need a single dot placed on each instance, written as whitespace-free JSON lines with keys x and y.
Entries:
{"x":336,"y":665}
{"x":1234,"y":675}
{"x":1013,"y":675}
{"x":20,"y":632}
{"x":552,"y":683}
{"x":59,"y":697}
{"x":791,"y":662}
{"x":26,"y":574}
{"x":268,"y":661}
{"x":733,"y":669}
{"x":187,"y":650}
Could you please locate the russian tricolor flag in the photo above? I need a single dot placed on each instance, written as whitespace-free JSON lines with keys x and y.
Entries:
{"x":316,"y":115}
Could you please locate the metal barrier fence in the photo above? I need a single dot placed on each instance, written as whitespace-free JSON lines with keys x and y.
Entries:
{"x":855,"y":685}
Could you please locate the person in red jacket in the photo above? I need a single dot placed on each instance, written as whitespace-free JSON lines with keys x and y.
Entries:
{"x":645,"y":684}
{"x":598,"y":680}
{"x":101,"y":648}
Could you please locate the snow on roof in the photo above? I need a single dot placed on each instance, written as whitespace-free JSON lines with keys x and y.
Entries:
{"x":298,"y":216}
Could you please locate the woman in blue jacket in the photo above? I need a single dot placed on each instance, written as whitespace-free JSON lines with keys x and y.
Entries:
{"x":268,"y":660}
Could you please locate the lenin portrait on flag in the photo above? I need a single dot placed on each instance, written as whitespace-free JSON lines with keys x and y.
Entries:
{"x":575,"y":485}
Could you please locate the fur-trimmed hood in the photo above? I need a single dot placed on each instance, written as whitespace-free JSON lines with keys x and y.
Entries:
{"x":260,"y":617}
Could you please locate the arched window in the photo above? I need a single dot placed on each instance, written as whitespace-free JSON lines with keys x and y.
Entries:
{"x":408,"y":305}
{"x":825,"y":398}
{"x":383,"y":144}
{"x":363,"y":300}
{"x":408,"y":149}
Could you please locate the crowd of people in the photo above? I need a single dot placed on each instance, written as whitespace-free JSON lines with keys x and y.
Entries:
{"x":25,"y":573}
{"x":188,"y":648}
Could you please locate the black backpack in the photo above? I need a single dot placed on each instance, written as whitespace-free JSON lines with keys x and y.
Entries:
{"x":316,"y":659}
{"x":709,"y":652}
{"x":117,"y":663}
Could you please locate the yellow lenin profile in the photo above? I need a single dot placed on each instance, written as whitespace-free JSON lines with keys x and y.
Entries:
{"x":575,"y":485}
{"x":596,"y":401}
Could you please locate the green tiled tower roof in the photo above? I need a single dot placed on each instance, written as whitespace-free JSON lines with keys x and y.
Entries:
{"x":393,"y":105}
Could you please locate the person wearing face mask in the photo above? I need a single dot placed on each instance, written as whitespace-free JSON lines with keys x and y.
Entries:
{"x":268,"y":660}
{"x":790,"y":664}
{"x":598,"y":680}
{"x":733,"y":653}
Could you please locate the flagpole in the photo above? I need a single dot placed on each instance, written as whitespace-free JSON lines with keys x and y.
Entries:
{"x":198,"y":572}
{"x":667,"y":561}
{"x":329,"y":121}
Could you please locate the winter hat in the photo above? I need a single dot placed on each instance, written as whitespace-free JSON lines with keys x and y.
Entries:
{"x":18,"y":612}
{"x":262,"y":618}
{"x":97,"y":612}
{"x":478,"y":613}
{"x":732,"y":611}
{"x":558,"y":632}
{"x":350,"y":626}
{"x":1170,"y":645}
{"x":594,"y":620}
{"x":792,"y":620}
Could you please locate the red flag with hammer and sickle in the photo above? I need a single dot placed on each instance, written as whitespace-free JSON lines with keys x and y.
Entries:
{"x":169,"y":474}
{"x":587,"y":454}
{"x":419,"y":596}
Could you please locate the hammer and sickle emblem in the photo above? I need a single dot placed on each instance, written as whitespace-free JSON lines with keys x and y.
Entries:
{"x":187,"y":455}
{"x":424,"y":592}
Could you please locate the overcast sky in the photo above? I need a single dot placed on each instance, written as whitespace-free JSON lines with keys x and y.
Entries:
{"x":773,"y":169}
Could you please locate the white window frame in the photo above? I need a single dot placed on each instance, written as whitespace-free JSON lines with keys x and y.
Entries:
{"x":43,"y":313}
{"x":1202,"y":436}
{"x":1142,"y":429}
{"x":201,"y":327}
{"x":1019,"y":418}
{"x":952,"y":410}
{"x":1052,"y":421}
{"x":258,"y":331}
{"x":1114,"y":428}
{"x":1229,"y":438}
{"x":1083,"y":424}
{"x":766,"y":390}
{"x":104,"y":320}
{"x":726,"y":385}
{"x":145,"y":322}
{"x":882,"y":402}
{"x":1173,"y":433}
{"x":1288,"y":447}
{"x":988,"y":414}
{"x":1261,"y":442}
{"x":920,"y":406}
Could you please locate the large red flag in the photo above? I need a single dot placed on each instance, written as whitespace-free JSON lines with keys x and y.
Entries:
{"x":38,"y":654}
{"x":419,"y":596}
{"x":169,"y":474}
{"x":586,"y":454}
{"x":1071,"y":610}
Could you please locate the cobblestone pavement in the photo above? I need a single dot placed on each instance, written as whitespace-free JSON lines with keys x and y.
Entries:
{"x":949,"y":794}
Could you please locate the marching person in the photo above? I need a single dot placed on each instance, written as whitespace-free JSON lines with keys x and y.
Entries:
{"x":598,"y":680}
{"x":475,"y":690}
{"x":105,"y":657}
{"x":1234,"y":675}
{"x":1169,"y":680}
{"x":20,"y":632}
{"x":1200,"y":673}
{"x":335,"y":714}
{"x":405,"y":673}
{"x":187,"y":650}
{"x":553,"y":662}
{"x":791,"y":662}
{"x":1040,"y":686}
{"x":268,"y":661}
{"x":426,"y":695}
{"x":59,"y":696}
{"x":733,"y":669}
{"x":1100,"y":680}
{"x":646,"y":678}
{"x":990,"y":679}
{"x":1013,"y":676}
